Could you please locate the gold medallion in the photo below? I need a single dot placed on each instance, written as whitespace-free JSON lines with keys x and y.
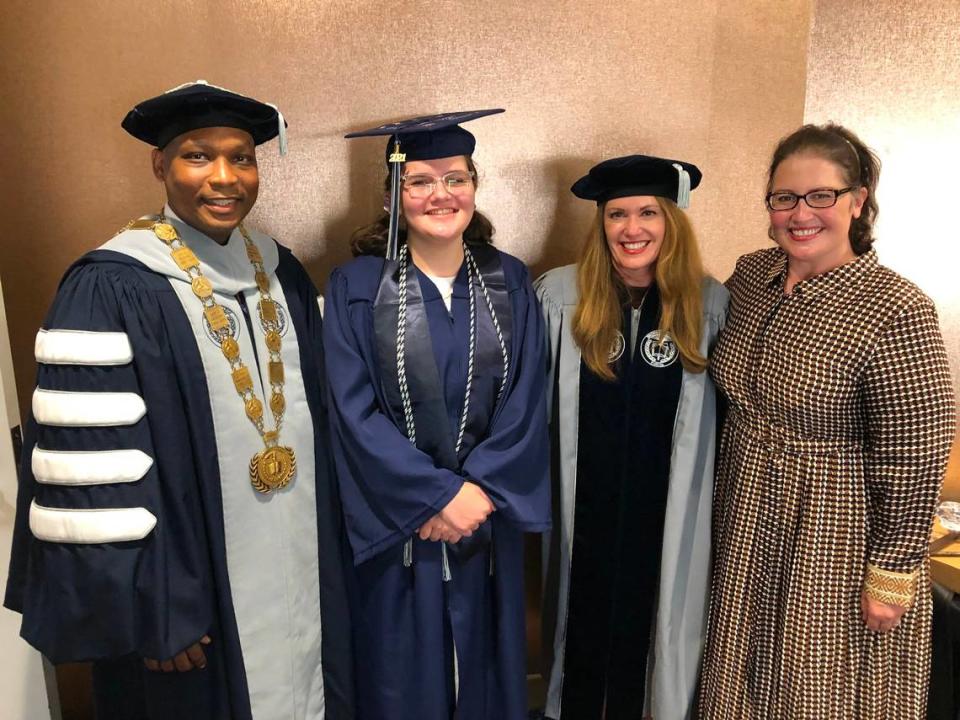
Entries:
{"x":184,"y":258}
{"x":201,"y":287}
{"x":277,"y":404}
{"x":275,"y":368}
{"x":268,"y":311}
{"x":254,"y":409}
{"x":165,"y":232}
{"x":272,"y":469}
{"x":272,"y":339}
{"x":230,"y":348}
{"x":242,"y":380}
{"x":216,"y":318}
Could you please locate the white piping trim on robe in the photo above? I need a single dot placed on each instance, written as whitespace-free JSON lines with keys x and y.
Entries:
{"x":82,"y":347}
{"x":90,"y":526}
{"x":53,"y":467}
{"x":87,"y":409}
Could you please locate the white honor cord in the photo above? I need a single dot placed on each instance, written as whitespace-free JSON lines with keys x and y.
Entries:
{"x":472,"y":272}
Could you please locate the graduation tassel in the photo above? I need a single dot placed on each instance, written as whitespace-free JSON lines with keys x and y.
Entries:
{"x":683,"y":187}
{"x":282,"y":127}
{"x":408,"y":553}
{"x":396,"y":161}
{"x":445,"y":562}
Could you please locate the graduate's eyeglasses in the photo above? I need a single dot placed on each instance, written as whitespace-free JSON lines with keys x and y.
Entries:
{"x":456,"y":182}
{"x":819,"y":198}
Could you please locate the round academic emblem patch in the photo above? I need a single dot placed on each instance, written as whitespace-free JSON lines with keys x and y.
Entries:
{"x":656,"y":353}
{"x":617,"y":349}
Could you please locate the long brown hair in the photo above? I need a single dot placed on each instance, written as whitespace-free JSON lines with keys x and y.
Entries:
{"x":679,"y":276}
{"x":372,"y":239}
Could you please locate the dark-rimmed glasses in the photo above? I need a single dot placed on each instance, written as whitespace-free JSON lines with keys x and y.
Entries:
{"x":819,"y":198}
{"x":421,"y":186}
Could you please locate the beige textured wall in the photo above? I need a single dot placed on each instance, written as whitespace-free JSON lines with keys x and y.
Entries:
{"x":714,"y":82}
{"x":891,"y":74}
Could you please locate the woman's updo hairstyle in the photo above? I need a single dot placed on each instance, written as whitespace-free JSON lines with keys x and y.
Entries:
{"x":858,"y":164}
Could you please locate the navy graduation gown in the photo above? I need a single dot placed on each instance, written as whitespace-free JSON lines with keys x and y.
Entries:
{"x":120,"y":601}
{"x":407,"y":620}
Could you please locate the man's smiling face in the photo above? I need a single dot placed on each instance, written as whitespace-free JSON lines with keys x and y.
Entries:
{"x":211,"y":178}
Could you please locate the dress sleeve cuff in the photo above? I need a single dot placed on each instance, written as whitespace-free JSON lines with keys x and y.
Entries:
{"x":893,"y":588}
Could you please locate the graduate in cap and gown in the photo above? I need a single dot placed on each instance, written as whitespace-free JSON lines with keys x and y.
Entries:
{"x":633,"y":416}
{"x":435,"y":365}
{"x":177,"y":517}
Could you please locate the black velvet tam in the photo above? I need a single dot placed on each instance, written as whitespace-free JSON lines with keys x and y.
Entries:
{"x":635,"y":175}
{"x":197,"y":105}
{"x":430,"y":137}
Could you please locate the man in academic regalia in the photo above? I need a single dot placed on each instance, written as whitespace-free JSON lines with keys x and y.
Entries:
{"x":177,"y":519}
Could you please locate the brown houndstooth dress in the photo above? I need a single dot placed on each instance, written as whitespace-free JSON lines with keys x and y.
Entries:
{"x":840,"y":421}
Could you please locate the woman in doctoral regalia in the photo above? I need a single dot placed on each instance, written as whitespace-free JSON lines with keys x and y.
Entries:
{"x":631,"y":326}
{"x":435,"y":361}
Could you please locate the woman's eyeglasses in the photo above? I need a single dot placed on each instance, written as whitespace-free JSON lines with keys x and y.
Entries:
{"x":421,"y":186}
{"x":819,"y":198}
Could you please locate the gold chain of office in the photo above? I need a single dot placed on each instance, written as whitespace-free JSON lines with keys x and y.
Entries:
{"x":276,"y":465}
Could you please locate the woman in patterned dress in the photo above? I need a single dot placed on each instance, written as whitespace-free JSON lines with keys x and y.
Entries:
{"x":840,"y":420}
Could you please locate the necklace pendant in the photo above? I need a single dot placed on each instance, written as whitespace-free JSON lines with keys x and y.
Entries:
{"x":272,"y":468}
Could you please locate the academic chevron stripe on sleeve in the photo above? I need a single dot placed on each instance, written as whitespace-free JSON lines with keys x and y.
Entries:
{"x":81,"y":347}
{"x":72,"y":468}
{"x":90,"y":526}
{"x":54,"y":467}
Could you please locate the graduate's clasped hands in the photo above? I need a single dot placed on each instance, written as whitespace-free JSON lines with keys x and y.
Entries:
{"x":468,"y":510}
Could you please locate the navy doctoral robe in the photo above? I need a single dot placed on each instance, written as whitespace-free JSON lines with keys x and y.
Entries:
{"x":152,"y":577}
{"x":623,"y":464}
{"x":409,"y":623}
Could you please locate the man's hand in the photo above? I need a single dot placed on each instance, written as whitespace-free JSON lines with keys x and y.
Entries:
{"x":436,"y":528}
{"x":880,"y":616}
{"x":192,"y":657}
{"x":468,"y":509}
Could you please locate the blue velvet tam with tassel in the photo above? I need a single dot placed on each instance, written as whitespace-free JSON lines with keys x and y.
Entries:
{"x":634,"y":175}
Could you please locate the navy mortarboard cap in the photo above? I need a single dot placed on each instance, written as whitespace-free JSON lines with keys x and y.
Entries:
{"x":639,"y":175}
{"x":197,"y":105}
{"x":428,"y":137}
{"x":431,"y":136}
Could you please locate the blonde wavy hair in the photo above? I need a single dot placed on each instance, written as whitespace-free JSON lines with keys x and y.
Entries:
{"x":679,"y":277}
